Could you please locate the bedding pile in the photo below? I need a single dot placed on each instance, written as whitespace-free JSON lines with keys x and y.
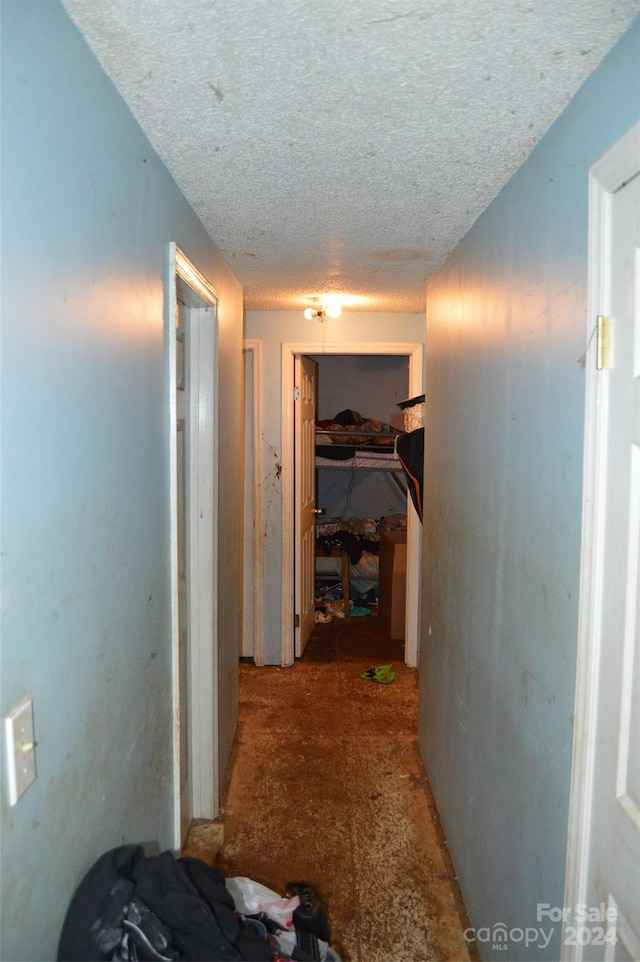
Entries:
{"x":357,"y":426}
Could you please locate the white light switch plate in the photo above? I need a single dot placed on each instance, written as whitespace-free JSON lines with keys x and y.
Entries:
{"x":21,"y":750}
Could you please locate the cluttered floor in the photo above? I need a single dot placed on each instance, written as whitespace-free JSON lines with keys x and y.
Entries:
{"x":326,"y":786}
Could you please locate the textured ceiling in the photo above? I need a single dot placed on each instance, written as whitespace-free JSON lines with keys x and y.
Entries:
{"x":344,"y":146}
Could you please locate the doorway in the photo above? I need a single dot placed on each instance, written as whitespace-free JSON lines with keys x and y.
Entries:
{"x":253,"y":550}
{"x":414,"y":354}
{"x":192,"y":359}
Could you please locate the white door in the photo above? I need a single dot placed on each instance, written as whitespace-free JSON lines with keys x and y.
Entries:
{"x":604,"y":839}
{"x":305,"y":498}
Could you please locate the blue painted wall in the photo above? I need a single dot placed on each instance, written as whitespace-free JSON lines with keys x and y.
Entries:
{"x":506,"y":331}
{"x":87,"y":211}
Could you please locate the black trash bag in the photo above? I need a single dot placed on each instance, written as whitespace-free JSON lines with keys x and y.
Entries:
{"x":131,"y":906}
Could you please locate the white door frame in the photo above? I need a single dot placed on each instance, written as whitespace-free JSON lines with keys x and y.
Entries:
{"x":414,"y":529}
{"x":202,"y":565}
{"x":255,"y":348}
{"x":605,"y":177}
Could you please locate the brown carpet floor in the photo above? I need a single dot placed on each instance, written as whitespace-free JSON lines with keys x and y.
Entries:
{"x":326,"y":785}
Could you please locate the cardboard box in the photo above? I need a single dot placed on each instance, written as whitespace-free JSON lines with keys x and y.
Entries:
{"x":392,"y":589}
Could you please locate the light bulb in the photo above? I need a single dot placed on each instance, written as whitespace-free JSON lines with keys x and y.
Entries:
{"x":309,"y":313}
{"x":332,"y":307}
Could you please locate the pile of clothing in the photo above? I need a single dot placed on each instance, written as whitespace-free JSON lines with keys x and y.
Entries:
{"x":131,"y":906}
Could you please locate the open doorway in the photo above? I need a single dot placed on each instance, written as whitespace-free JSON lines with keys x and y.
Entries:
{"x":360,"y":492}
{"x":192,"y":358}
{"x":413,"y":358}
{"x":252,"y":645}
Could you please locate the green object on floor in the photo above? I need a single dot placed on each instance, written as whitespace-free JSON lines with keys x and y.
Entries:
{"x":356,"y":612}
{"x":382,"y":674}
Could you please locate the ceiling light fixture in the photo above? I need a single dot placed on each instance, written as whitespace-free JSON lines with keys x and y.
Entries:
{"x":329,"y":307}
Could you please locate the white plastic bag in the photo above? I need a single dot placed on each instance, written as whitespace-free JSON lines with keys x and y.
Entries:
{"x":251,"y":897}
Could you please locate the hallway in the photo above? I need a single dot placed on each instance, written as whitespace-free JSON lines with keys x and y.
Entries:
{"x":326,"y":785}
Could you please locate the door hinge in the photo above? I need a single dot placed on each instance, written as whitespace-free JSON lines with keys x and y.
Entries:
{"x":603,"y":343}
{"x":296,"y":394}
{"x":296,"y":621}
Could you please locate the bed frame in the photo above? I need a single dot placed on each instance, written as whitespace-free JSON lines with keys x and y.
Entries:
{"x":365,"y":454}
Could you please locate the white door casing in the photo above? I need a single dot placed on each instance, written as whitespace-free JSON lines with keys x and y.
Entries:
{"x":196,"y":790}
{"x":305,"y":378}
{"x":414,"y":351}
{"x":253,"y":585}
{"x":182,"y":429}
{"x":603,"y":862}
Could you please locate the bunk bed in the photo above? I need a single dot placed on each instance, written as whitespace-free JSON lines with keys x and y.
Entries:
{"x":353,"y":443}
{"x":365,"y":452}
{"x":349,"y":442}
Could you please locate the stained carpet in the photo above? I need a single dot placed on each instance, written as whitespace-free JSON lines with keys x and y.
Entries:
{"x":326,"y":786}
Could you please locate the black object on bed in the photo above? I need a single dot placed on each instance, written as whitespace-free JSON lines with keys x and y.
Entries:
{"x":410,"y":450}
{"x":337,"y":452}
